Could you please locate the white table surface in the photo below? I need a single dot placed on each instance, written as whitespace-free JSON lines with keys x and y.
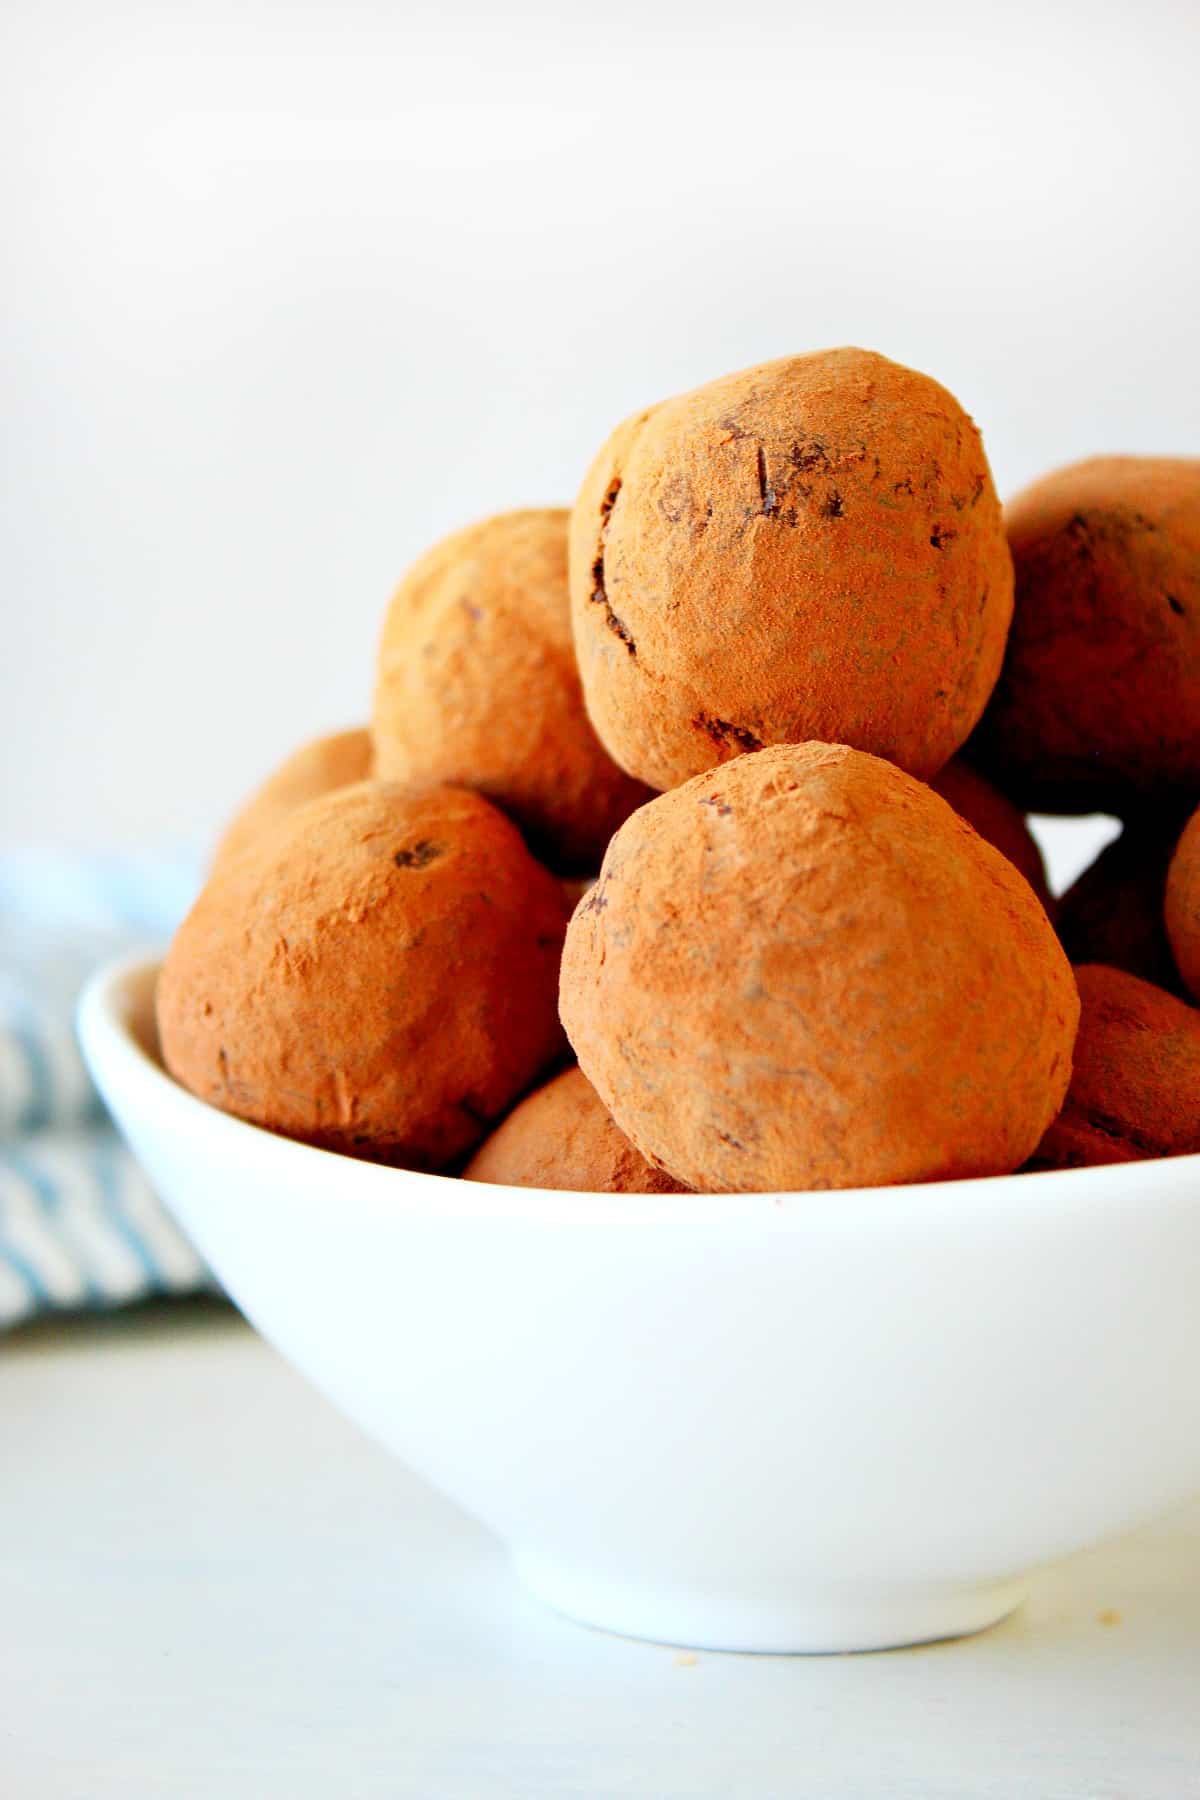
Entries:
{"x":214,"y":1587}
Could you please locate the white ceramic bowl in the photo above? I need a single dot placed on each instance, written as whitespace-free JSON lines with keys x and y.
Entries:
{"x":830,"y":1421}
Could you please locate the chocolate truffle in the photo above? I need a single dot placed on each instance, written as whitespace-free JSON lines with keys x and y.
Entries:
{"x":1098,"y":704}
{"x":809,"y":549}
{"x":1135,"y":1088}
{"x":996,"y":819}
{"x":376,"y":975}
{"x":323,"y":766}
{"x":562,"y":1137}
{"x":1183,"y":905}
{"x":804,"y":970}
{"x":1113,"y":912}
{"x":478,"y":685}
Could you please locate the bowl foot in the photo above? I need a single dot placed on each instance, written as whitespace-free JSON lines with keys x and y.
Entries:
{"x":800,"y":1618}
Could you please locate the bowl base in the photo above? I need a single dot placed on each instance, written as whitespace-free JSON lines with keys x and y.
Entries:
{"x":801,"y":1619}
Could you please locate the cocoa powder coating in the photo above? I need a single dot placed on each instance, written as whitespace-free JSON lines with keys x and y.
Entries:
{"x":1113,"y":912}
{"x":1098,"y":704}
{"x":562,"y":1136}
{"x":804,"y":970}
{"x":478,"y":685}
{"x":319,"y":767}
{"x":377,"y":975}
{"x":1183,"y":905}
{"x":1135,"y":1089}
{"x":995,"y":818}
{"x":809,"y":549}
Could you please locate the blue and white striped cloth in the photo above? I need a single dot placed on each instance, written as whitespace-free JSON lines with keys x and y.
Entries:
{"x":79,"y":1225}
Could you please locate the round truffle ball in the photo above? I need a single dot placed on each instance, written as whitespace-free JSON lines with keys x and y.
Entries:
{"x":803,"y":970}
{"x":562,"y":1137}
{"x":1183,"y":905}
{"x":1098,"y":704}
{"x":1113,"y":912}
{"x":995,"y":818}
{"x":478,"y":685}
{"x":1135,"y":1088}
{"x":321,"y":767}
{"x":376,"y":975}
{"x":809,"y":549}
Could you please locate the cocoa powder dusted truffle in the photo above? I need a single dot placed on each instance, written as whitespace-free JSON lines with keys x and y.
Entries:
{"x":809,"y":549}
{"x":562,"y":1136}
{"x":996,"y":819}
{"x":1183,"y":905}
{"x":1135,"y":1089}
{"x":803,"y":970}
{"x":478,"y":685}
{"x":1113,"y":912}
{"x":1098,"y":705}
{"x":376,"y":975}
{"x":320,"y":767}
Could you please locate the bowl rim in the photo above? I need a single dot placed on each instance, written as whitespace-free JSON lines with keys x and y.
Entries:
{"x":111,"y":1048}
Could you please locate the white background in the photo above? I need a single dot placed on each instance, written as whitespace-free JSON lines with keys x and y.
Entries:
{"x":290,"y":290}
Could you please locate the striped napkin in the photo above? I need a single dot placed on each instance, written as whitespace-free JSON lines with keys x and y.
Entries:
{"x":79,"y":1225}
